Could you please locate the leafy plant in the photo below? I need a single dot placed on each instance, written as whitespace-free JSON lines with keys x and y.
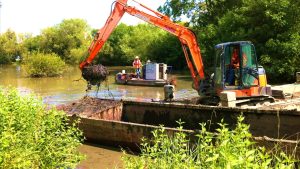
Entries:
{"x":224,"y":149}
{"x":40,"y":64}
{"x":34,"y":136}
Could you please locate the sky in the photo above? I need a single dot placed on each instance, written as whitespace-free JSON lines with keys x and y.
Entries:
{"x":31,"y":16}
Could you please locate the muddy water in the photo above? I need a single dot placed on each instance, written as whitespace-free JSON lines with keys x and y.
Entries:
{"x":70,"y":87}
{"x":98,"y":157}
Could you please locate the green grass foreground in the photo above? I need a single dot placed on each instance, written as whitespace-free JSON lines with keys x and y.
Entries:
{"x":33,"y":136}
{"x":226,"y":149}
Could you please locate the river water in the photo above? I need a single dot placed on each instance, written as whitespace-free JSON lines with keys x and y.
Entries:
{"x":70,"y":87}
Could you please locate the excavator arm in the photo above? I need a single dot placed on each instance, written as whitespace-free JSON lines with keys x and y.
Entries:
{"x":103,"y":34}
{"x":186,"y":36}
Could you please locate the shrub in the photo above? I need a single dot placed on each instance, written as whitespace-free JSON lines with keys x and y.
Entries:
{"x":4,"y":59}
{"x":40,"y":65}
{"x":226,"y":149}
{"x":78,"y":55}
{"x":33,"y":136}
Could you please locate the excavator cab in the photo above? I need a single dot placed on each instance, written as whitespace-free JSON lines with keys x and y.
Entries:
{"x":236,"y":70}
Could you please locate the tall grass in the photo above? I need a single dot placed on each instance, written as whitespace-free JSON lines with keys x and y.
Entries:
{"x":224,"y":149}
{"x":32,"y":136}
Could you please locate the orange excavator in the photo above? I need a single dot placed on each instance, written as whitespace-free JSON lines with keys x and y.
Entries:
{"x":236,"y":67}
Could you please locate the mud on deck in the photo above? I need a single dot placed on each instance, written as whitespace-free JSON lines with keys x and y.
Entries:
{"x":95,"y":108}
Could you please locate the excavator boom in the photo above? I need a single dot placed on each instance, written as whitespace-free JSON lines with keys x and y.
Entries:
{"x":104,"y":33}
{"x":186,"y":36}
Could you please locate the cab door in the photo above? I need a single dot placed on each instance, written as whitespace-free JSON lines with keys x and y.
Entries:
{"x":249,"y":67}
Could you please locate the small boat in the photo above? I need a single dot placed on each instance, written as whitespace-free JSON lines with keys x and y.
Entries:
{"x":154,"y":74}
{"x":18,"y":59}
{"x":122,"y":78}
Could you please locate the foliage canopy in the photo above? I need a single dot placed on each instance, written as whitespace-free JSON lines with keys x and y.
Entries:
{"x":273,"y":27}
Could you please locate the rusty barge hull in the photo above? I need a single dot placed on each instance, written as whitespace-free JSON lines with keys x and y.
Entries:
{"x":127,"y":122}
{"x":118,"y":133}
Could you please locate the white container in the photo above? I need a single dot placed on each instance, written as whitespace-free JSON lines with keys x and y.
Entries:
{"x":169,"y":92}
{"x":152,"y":71}
{"x":123,"y":71}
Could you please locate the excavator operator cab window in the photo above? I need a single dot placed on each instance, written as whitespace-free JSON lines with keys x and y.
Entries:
{"x":232,"y":65}
{"x":249,"y":67}
{"x":240,"y":66}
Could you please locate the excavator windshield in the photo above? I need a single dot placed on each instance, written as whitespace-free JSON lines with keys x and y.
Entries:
{"x":235,"y":66}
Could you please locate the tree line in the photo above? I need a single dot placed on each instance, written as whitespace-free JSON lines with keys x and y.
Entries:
{"x":272,"y":26}
{"x":71,"y":38}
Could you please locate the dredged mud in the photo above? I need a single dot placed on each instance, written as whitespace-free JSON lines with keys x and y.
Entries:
{"x":92,"y":107}
{"x":95,"y":74}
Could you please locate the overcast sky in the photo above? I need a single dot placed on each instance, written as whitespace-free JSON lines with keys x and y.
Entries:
{"x":33,"y":15}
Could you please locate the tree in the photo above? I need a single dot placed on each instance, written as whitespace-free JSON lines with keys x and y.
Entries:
{"x":112,"y":52}
{"x":62,"y":38}
{"x":273,"y":27}
{"x":144,"y":40}
{"x":8,"y":47}
{"x":167,"y":49}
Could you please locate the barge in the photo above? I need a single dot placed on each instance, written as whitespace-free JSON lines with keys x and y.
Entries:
{"x":124,"y":123}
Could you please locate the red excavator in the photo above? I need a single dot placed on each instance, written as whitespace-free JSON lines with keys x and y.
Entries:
{"x":236,"y":68}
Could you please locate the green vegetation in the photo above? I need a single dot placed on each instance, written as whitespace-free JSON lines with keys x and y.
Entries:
{"x":8,"y":47}
{"x":62,"y":38}
{"x":34,"y":136}
{"x":225,"y":149}
{"x":39,"y":65}
{"x":146,"y":41}
{"x":45,"y":54}
{"x":273,"y":27}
